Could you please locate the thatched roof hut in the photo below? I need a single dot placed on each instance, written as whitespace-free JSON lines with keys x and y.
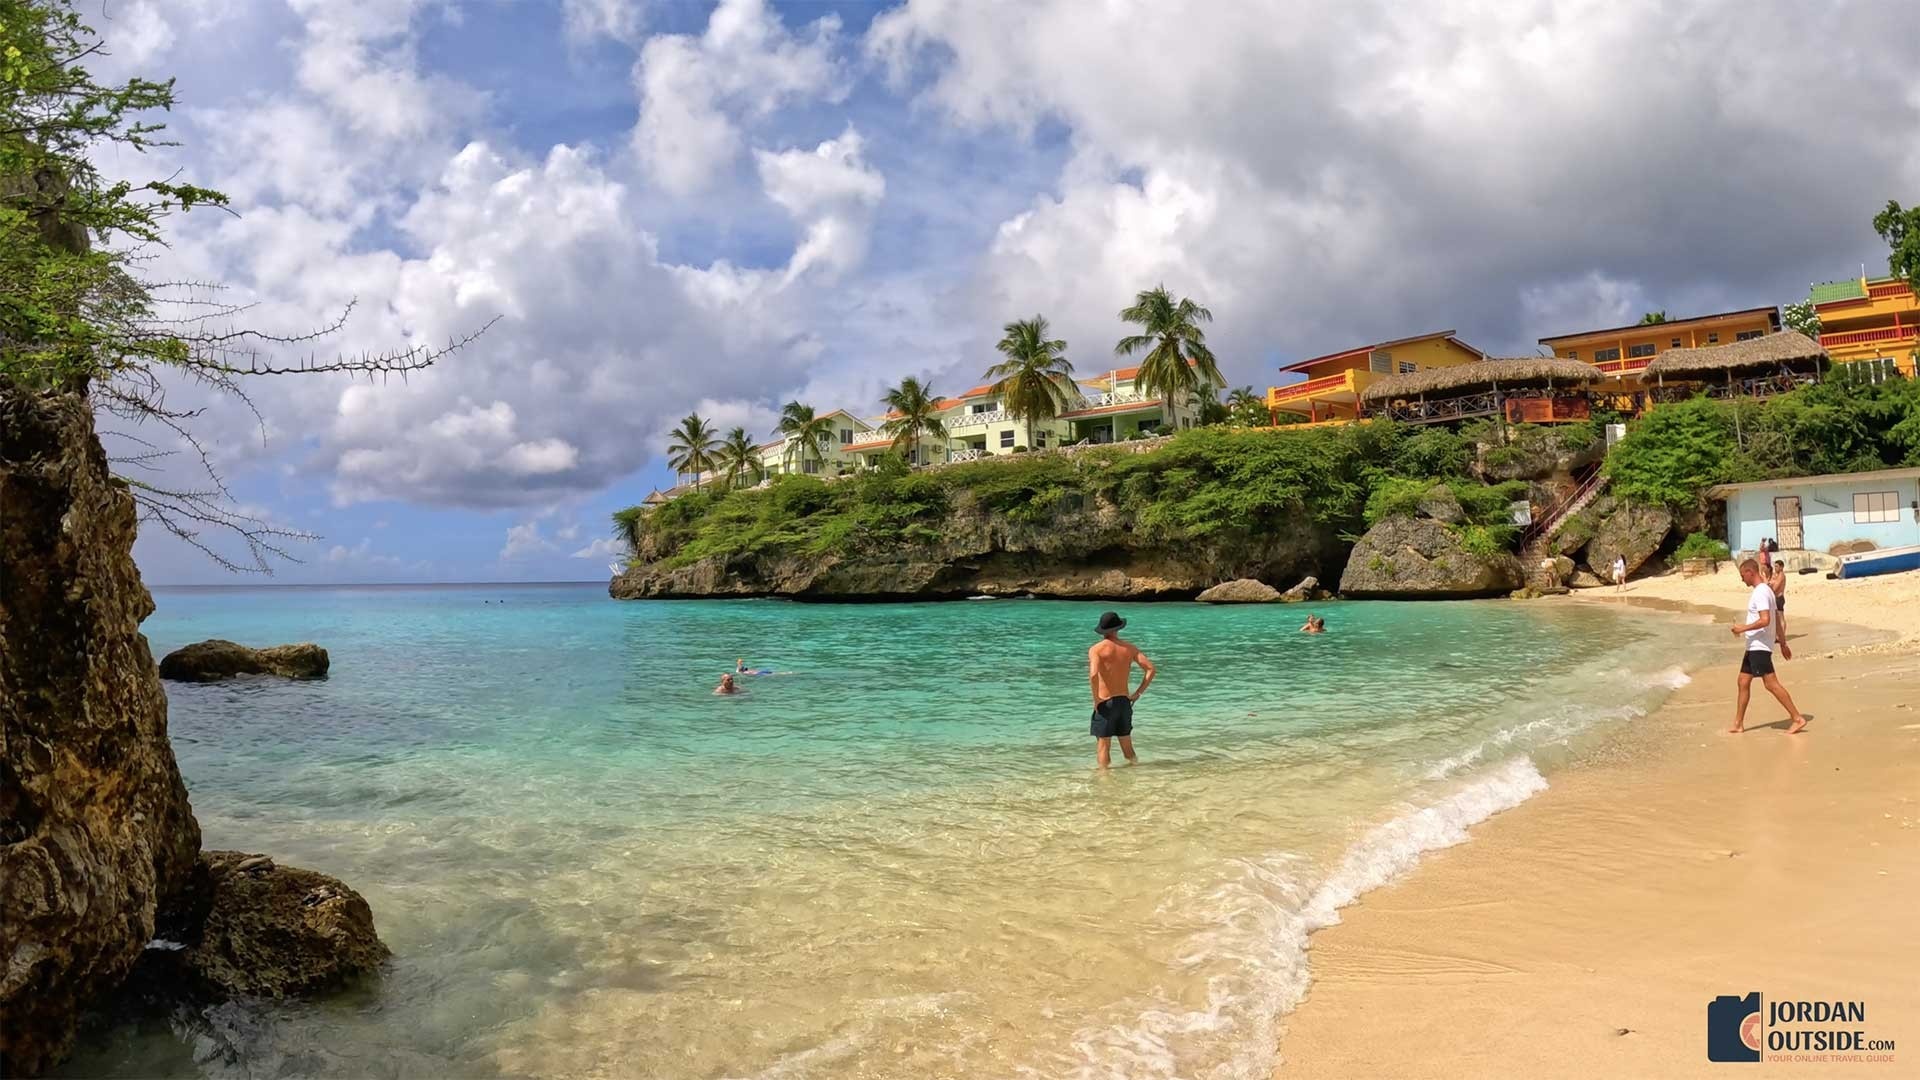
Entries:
{"x":1525,"y":371}
{"x":1767,"y":354}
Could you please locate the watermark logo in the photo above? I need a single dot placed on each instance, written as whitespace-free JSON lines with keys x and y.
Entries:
{"x":1750,"y":1028}
{"x":1734,"y":1028}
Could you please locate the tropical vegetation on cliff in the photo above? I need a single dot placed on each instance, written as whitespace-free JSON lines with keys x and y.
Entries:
{"x":1346,"y":478}
{"x":1676,"y":451}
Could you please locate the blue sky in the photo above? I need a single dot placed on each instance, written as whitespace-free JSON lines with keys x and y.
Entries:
{"x":674,"y":206}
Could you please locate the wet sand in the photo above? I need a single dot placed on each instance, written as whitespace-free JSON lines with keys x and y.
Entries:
{"x":1584,"y":933}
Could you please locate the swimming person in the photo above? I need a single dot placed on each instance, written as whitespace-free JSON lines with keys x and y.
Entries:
{"x":1315,"y":625}
{"x":727,"y":685}
{"x":1758,"y":657}
{"x":1109,"y":668}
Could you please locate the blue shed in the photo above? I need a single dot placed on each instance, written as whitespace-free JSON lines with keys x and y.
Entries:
{"x":1814,"y":513}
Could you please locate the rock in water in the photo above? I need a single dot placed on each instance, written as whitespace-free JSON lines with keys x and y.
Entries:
{"x":1633,"y":532}
{"x":1308,"y":589}
{"x":276,"y":931}
{"x":1421,"y":559}
{"x":208,"y":661}
{"x":94,"y":821}
{"x":1240,"y":591}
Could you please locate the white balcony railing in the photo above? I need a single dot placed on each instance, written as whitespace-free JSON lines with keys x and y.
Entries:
{"x":1126,"y":397}
{"x":980,"y":419}
{"x":969,"y":455}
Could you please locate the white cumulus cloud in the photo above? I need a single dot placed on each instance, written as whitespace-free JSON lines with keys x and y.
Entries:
{"x":747,"y":63}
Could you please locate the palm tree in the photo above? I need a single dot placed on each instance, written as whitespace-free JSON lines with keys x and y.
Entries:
{"x":690,"y":447}
{"x":806,"y":433}
{"x":1654,"y":318}
{"x":1246,"y":407}
{"x":1178,"y":363}
{"x":915,"y":415}
{"x":1029,"y":381}
{"x":738,"y":457}
{"x":628,"y":527}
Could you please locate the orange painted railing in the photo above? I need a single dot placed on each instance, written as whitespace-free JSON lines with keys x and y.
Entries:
{"x":1623,"y":367}
{"x":1888,"y":291}
{"x":1862,"y":337}
{"x":1277,"y":394}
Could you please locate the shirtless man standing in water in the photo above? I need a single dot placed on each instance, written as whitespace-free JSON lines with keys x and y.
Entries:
{"x":1109,"y":670}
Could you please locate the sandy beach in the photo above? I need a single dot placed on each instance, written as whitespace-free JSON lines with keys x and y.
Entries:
{"x":1585,"y":932}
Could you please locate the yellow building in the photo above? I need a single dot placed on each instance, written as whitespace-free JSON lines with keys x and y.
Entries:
{"x":1625,"y":350}
{"x":1862,"y":319}
{"x":1333,"y":383}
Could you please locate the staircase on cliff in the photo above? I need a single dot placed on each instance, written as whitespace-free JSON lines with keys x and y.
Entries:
{"x":1534,"y":543}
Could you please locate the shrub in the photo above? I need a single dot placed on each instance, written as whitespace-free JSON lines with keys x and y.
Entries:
{"x":1486,"y":541}
{"x":1673,"y":453}
{"x":1701,"y":546}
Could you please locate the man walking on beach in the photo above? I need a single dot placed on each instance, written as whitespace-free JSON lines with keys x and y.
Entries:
{"x":1758,"y":659}
{"x":1109,"y":669}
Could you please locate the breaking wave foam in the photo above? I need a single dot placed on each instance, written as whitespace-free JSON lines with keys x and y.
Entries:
{"x":1252,"y":944}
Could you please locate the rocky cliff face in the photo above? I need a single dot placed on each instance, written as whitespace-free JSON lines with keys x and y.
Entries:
{"x":98,"y":846}
{"x":1088,"y":553}
{"x":94,"y":823}
{"x":1421,"y":559}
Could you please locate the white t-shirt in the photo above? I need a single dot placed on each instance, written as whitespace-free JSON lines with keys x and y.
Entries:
{"x":1619,"y":568}
{"x":1761,"y":599}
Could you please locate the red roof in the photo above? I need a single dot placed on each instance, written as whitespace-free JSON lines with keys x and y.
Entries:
{"x":1365,"y":349}
{"x":1773,"y":314}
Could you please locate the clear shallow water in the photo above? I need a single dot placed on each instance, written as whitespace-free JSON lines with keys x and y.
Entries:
{"x":895,"y":861}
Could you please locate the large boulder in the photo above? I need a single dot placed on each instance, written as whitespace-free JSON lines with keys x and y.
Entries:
{"x":94,"y":822}
{"x":274,"y":931}
{"x":1307,"y":589}
{"x":209,"y":661}
{"x":1630,"y":531}
{"x":1240,"y":591}
{"x":1418,"y":558}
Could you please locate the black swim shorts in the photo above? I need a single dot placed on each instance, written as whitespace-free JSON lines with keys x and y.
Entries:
{"x":1757,"y":663}
{"x":1113,"y":717}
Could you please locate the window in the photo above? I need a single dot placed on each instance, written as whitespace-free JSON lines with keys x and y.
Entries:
{"x":1603,"y":355}
{"x":1380,"y":362}
{"x":811,"y":465}
{"x":1871,"y":507}
{"x":1748,"y":335}
{"x":846,"y":436}
{"x":1674,"y":344}
{"x":980,"y":408}
{"x":1571,"y":354}
{"x":1006,"y":439}
{"x":1640,"y":350}
{"x":1408,"y":367}
{"x":1040,"y":438}
{"x":1713,"y":338}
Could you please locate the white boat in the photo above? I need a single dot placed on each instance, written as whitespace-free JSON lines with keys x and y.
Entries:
{"x":1883,"y":561}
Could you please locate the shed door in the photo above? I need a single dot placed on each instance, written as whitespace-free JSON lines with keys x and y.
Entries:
{"x":1786,"y":522}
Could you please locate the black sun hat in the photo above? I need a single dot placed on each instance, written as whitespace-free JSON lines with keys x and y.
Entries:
{"x":1110,"y":622}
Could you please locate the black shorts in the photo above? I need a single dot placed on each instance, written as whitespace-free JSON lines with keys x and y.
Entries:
{"x":1757,"y":663}
{"x":1113,"y":717}
{"x":1780,"y":601}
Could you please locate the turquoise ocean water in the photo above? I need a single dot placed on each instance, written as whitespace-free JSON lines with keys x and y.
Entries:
{"x":894,"y":861}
